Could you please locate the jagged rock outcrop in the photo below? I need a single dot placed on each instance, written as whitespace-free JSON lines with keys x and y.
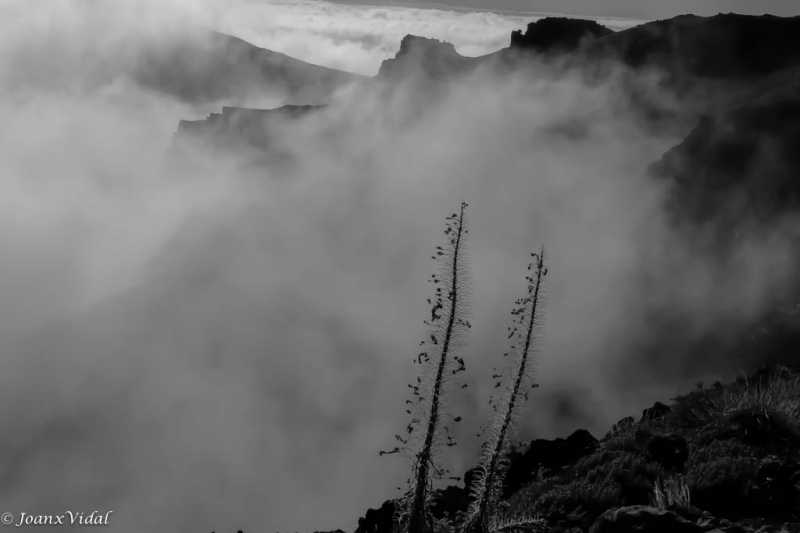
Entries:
{"x":557,"y":34}
{"x":239,"y":126}
{"x":429,"y":58}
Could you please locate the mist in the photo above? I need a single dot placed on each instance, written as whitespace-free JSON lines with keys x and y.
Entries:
{"x":198,"y":344}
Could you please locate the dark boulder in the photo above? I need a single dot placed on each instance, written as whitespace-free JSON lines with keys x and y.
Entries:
{"x":550,"y":455}
{"x":449,"y":502}
{"x":378,"y":520}
{"x":642,"y":519}
{"x":670,"y":450}
{"x":558,"y":453}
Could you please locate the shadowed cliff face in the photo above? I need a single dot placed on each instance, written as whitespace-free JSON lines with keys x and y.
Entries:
{"x":730,"y":47}
{"x":558,"y":35}
{"x":429,"y":58}
{"x":745,"y":160}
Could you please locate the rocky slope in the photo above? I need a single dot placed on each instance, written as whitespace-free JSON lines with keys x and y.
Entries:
{"x":719,"y":459}
{"x":723,"y":458}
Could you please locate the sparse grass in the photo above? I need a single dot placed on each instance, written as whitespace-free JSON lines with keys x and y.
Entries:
{"x":671,"y":492}
{"x":521,"y":524}
{"x":775,"y":393}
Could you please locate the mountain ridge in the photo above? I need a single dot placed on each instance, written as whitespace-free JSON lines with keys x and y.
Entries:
{"x":206,"y":65}
{"x":738,"y":78}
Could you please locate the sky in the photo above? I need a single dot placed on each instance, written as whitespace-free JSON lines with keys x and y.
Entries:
{"x":639,"y":9}
{"x":200,"y":345}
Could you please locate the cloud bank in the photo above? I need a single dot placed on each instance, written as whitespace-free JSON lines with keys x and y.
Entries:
{"x":357,"y":38}
{"x":198,"y":345}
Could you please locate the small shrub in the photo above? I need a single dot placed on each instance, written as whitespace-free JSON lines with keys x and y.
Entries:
{"x":592,"y":497}
{"x":720,"y":471}
{"x":777,"y":392}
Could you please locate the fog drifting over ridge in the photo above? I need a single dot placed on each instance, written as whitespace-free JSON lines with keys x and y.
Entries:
{"x":362,"y":36}
{"x":198,"y":346}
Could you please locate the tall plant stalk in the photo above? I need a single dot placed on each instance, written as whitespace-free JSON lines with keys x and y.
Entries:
{"x":428,"y":408}
{"x":487,"y":489}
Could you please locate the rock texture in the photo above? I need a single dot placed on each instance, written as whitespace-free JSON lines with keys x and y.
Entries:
{"x":557,"y":34}
{"x":428,"y":58}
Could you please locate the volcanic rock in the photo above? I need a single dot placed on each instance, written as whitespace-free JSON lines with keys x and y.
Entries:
{"x":557,"y":34}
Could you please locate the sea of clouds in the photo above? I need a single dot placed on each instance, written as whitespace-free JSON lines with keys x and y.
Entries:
{"x":357,"y":38}
{"x":196,"y":345}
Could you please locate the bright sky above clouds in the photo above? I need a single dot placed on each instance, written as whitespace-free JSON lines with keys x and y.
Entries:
{"x":644,"y":9}
{"x":358,"y":37}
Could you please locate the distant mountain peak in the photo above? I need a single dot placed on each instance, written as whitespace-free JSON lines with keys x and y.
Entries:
{"x":433,"y":57}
